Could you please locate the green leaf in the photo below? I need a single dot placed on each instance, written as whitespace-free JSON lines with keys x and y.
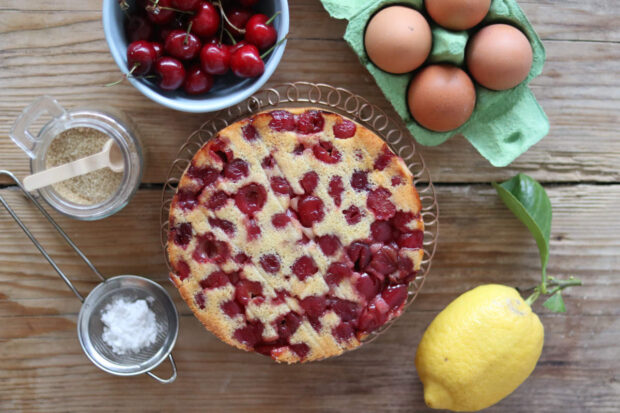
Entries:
{"x":555,"y":303}
{"x":528,"y":200}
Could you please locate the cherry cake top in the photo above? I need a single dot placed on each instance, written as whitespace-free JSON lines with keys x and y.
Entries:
{"x":295,"y":233}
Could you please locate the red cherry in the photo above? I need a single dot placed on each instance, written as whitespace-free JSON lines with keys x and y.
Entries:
{"x":260,"y":33}
{"x":171,"y":73}
{"x":381,"y":231}
{"x":216,"y":279}
{"x":233,"y":48}
{"x":206,"y":22}
{"x":251,"y":198}
{"x":326,"y":152}
{"x":239,"y":18}
{"x":359,"y":253}
{"x":329,"y":244}
{"x":215,"y":58}
{"x":343,"y":331}
{"x":182,"y":269}
{"x":359,"y":180}
{"x":395,"y":295}
{"x":159,"y":49}
{"x":353,"y":215}
{"x":384,"y":159}
{"x":304,"y":267}
{"x":401,"y":220}
{"x":344,"y":129}
{"x":181,"y":234}
{"x":160,"y":14}
{"x":314,"y":305}
{"x":205,"y":176}
{"x":280,"y":185}
{"x":280,"y":220}
{"x":186,"y":5}
{"x":182,"y":45}
{"x":223,"y":224}
{"x":251,"y":334}
{"x":246,"y":62}
{"x":309,"y":181}
{"x":336,"y":272}
{"x":138,"y":28}
{"x":383,"y":262}
{"x":231,"y":308}
{"x":310,"y":210}
{"x":282,"y":120}
{"x":250,"y":134}
{"x":217,"y":200}
{"x":197,"y":81}
{"x":411,"y":239}
{"x":270,"y":263}
{"x":367,"y":286}
{"x":311,"y":121}
{"x":140,"y":57}
{"x":247,"y":290}
{"x":336,"y":188}
{"x":236,"y":169}
{"x":378,"y":201}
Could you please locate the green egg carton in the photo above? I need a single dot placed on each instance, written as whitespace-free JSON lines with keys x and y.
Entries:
{"x":504,"y":124}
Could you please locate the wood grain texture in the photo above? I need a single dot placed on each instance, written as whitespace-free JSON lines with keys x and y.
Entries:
{"x":58,"y":48}
{"x":578,"y":370}
{"x":61,"y":51}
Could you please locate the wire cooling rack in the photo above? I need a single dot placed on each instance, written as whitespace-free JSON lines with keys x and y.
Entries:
{"x":337,"y":100}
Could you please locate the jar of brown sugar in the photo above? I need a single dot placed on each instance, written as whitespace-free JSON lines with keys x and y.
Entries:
{"x":74,"y":134}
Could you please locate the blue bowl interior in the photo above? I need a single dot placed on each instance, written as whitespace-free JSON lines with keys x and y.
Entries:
{"x":227,"y":90}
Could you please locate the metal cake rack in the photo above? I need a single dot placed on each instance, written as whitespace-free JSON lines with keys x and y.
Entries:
{"x":337,"y":100}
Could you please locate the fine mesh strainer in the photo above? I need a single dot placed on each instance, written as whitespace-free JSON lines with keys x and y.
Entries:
{"x":129,"y":287}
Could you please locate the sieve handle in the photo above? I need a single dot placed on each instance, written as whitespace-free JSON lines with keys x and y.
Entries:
{"x":56,"y":227}
{"x":172,"y":378}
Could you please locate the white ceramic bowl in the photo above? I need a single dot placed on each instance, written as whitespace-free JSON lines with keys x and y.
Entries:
{"x":227,"y":90}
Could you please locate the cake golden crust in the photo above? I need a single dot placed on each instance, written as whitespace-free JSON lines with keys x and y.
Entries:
{"x":295,"y":233}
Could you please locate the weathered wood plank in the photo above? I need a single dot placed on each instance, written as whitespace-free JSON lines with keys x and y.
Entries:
{"x":580,"y":97}
{"x":480,"y":242}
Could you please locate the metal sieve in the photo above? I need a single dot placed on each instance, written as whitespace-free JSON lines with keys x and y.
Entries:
{"x":131,"y":287}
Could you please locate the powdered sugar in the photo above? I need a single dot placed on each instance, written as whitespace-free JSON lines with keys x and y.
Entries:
{"x":129,"y":326}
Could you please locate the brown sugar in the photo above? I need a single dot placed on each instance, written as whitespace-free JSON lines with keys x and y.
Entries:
{"x":91,"y":188}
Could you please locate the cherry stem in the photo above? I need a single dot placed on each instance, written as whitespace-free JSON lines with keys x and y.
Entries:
{"x":155,"y":8}
{"x":272,"y":47}
{"x":219,"y":5}
{"x":189,"y":28}
{"x":129,"y":74}
{"x":124,"y":6}
{"x":231,"y":37}
{"x":272,"y":18}
{"x":221,"y":25}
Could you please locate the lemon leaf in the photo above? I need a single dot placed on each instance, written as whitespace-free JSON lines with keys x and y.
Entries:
{"x":528,"y":200}
{"x":555,"y":303}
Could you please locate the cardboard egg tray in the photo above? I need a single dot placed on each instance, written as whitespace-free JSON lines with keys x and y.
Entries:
{"x":504,"y":124}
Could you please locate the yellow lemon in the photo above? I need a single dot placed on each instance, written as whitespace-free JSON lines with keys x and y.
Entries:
{"x":479,"y":349}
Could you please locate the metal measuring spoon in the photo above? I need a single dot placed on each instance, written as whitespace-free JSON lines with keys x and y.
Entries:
{"x":109,"y":157}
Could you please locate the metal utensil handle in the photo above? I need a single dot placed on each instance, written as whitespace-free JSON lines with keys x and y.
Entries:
{"x":172,"y":378}
{"x":58,"y":229}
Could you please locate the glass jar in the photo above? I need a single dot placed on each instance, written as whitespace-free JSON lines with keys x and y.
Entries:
{"x":114,"y":124}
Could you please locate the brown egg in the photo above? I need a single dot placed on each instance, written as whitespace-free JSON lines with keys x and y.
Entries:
{"x":499,"y":57}
{"x":457,"y":14}
{"x":441,"y":97}
{"x":398,"y":39}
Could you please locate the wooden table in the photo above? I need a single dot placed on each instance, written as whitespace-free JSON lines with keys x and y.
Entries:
{"x":58,"y":48}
